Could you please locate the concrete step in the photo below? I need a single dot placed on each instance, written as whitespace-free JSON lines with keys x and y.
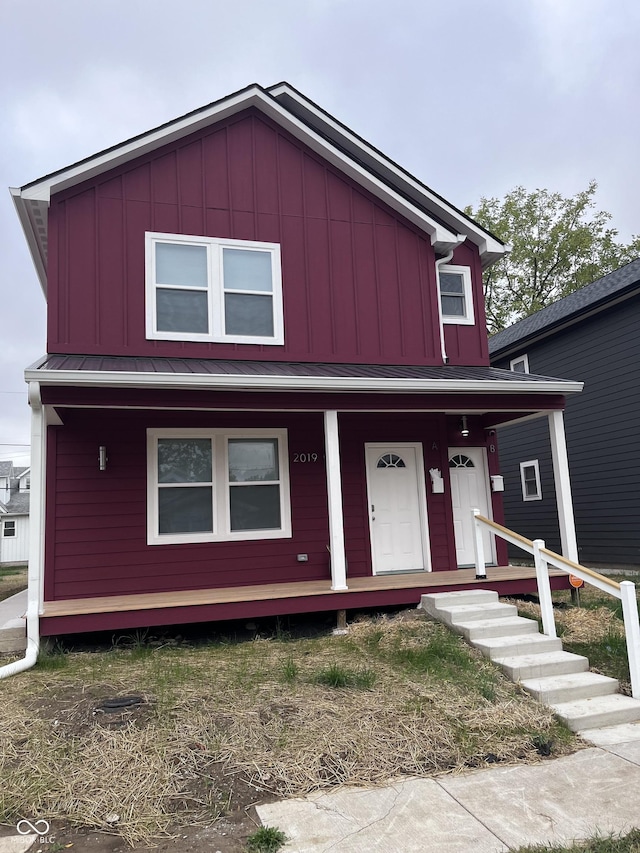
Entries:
{"x":434,"y":601}
{"x":472,"y":612}
{"x":569,"y":687}
{"x":480,"y":629}
{"x":612,"y":735}
{"x":13,"y":636}
{"x":597,"y":712}
{"x":519,"y":667}
{"x":527,"y":644}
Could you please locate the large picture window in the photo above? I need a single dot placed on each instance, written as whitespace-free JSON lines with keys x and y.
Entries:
{"x":214,"y":485}
{"x":456,"y":298}
{"x":206,"y":289}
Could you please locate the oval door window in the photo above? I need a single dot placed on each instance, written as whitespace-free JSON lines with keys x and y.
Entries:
{"x":391,"y":460}
{"x":461,"y":461}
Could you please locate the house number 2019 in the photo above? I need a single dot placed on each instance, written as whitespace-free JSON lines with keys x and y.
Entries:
{"x":305,"y":457}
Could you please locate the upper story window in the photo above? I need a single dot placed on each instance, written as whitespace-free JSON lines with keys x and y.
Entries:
{"x":519,"y":364}
{"x":9,"y":528}
{"x":456,"y":298}
{"x":213,"y":290}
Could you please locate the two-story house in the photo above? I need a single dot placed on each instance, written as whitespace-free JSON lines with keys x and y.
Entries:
{"x":267,"y":384}
{"x":14,"y":514}
{"x":590,"y":335}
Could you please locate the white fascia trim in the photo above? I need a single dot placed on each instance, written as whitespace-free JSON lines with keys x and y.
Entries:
{"x":124,"y":379}
{"x":440,"y":236}
{"x":35,"y":246}
{"x":487,"y":245}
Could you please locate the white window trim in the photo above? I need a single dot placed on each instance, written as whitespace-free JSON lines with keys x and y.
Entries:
{"x":221,"y":506}
{"x":215,"y":290}
{"x":532,"y":463}
{"x":9,"y":524}
{"x":469,"y":317}
{"x":524,"y":359}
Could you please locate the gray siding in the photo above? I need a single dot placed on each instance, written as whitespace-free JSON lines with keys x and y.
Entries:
{"x":603,"y":437}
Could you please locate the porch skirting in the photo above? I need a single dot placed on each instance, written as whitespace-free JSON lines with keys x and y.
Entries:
{"x":241,"y":602}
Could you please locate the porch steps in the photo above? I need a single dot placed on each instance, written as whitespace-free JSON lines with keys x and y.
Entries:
{"x":586,"y":702}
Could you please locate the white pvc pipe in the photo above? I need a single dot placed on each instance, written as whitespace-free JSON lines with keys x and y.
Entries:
{"x":36,"y":535}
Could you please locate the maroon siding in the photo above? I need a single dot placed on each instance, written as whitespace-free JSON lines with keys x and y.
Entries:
{"x":358,"y":279}
{"x":96,"y":521}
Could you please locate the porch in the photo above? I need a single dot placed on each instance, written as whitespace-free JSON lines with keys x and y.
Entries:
{"x":242,"y":602}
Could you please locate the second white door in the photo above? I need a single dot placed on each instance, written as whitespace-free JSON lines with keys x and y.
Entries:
{"x":469,"y":489}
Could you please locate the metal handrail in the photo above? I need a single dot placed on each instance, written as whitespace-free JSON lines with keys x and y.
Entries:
{"x":542,"y":557}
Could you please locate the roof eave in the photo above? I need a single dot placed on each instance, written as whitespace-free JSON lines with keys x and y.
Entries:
{"x":172,"y":381}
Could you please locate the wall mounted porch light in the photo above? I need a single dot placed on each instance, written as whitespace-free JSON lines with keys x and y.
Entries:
{"x":102,"y":458}
{"x":464,"y":428}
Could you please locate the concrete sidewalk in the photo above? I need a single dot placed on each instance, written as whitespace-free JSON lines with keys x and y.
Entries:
{"x":483,"y":811}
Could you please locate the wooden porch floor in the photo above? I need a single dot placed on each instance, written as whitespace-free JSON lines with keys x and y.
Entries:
{"x":420,"y":581}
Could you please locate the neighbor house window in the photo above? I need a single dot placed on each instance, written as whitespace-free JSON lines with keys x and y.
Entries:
{"x":215,"y":485}
{"x":206,"y":289}
{"x":530,"y":479}
{"x":9,"y":528}
{"x":519,"y":364}
{"x":456,"y":299}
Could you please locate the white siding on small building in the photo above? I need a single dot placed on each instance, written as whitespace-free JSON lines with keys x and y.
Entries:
{"x":14,"y":549}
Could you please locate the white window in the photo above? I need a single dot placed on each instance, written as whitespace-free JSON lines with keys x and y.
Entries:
{"x":519,"y":364}
{"x":9,"y":528}
{"x":217,"y":485}
{"x":206,"y":289}
{"x":530,"y":479}
{"x":456,"y":298}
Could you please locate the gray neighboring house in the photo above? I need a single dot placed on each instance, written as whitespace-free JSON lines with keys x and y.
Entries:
{"x":592,"y":335}
{"x":15,"y":484}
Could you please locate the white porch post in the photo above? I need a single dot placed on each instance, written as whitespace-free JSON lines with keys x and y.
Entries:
{"x":563,"y":486}
{"x":334,"y":490}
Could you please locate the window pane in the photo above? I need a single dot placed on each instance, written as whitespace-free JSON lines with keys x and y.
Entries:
{"x":179,"y":264}
{"x":255,"y":507}
{"x":451,"y":283}
{"x":248,"y":315}
{"x":184,"y":460}
{"x":253,"y":459}
{"x":182,"y":311}
{"x":185,"y":510}
{"x":518,"y":367}
{"x":9,"y":528}
{"x":453,"y":306}
{"x":244,"y":270}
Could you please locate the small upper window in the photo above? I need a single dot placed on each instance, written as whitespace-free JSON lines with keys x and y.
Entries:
{"x":206,"y":289}
{"x":9,"y":528}
{"x":519,"y":364}
{"x":530,"y":479}
{"x":456,"y":298}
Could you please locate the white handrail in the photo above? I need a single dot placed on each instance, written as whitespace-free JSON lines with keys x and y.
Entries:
{"x":542,"y":557}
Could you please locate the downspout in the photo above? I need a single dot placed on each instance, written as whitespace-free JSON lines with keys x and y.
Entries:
{"x":36,"y":535}
{"x":440,"y":262}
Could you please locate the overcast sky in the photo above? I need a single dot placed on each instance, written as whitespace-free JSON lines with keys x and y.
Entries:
{"x":472,"y":96}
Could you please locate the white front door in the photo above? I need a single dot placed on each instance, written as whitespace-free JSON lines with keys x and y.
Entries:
{"x":397,"y":508}
{"x":469,"y":489}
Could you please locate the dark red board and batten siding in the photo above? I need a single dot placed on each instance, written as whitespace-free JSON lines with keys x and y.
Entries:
{"x":359,"y":281}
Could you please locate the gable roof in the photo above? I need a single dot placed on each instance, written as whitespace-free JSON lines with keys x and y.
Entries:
{"x":445,"y":225}
{"x":18,"y":504}
{"x":6,"y":469}
{"x":577,"y":306}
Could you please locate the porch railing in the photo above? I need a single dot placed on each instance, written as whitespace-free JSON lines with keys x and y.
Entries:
{"x":543,"y":558}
